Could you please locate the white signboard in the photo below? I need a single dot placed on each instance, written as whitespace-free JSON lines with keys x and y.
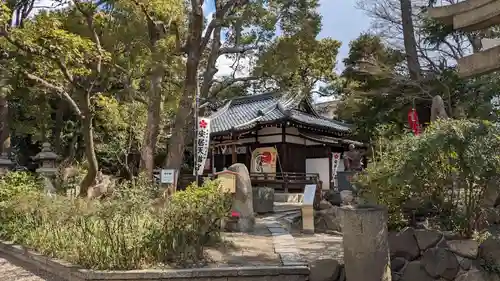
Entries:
{"x":202,"y":145}
{"x":309,"y":194}
{"x":167,"y":176}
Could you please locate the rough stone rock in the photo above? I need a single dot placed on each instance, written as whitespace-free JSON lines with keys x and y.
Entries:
{"x":491,"y":193}
{"x":324,"y":270}
{"x":427,"y":238}
{"x":450,"y":235}
{"x":489,"y":250}
{"x":442,"y":244}
{"x":397,"y":264}
{"x":324,"y":205}
{"x":403,"y":244}
{"x":105,"y":186}
{"x":414,"y":272}
{"x":439,"y":262}
{"x":263,"y":200}
{"x":342,"y":274}
{"x":328,"y":219}
{"x":242,"y":201}
{"x":396,"y":276}
{"x":333,"y":197}
{"x":476,"y":275}
{"x":464,"y":248}
{"x":347,"y":197}
{"x":465,"y":263}
{"x":492,"y":215}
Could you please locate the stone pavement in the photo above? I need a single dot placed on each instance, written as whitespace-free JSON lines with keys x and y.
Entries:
{"x":283,"y":242}
{"x":14,"y":270}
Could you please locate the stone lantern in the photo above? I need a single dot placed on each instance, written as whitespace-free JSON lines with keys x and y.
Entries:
{"x":5,"y":163}
{"x":46,"y":160}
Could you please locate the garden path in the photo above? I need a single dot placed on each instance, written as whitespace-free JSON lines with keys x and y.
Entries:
{"x":14,"y":270}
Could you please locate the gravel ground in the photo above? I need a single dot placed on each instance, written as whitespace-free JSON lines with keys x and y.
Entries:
{"x":14,"y":270}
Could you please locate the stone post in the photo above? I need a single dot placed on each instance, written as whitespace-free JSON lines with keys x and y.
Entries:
{"x":5,"y":164}
{"x":365,"y":241}
{"x":47,"y":166}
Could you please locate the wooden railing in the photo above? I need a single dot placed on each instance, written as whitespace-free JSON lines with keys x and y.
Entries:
{"x":287,"y":181}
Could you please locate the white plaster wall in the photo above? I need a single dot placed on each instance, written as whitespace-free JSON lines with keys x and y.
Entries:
{"x":270,"y":139}
{"x":269,"y":130}
{"x":320,"y":166}
{"x":295,"y":139}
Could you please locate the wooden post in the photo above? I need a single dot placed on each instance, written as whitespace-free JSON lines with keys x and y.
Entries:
{"x":330,"y":168}
{"x":234,"y":156}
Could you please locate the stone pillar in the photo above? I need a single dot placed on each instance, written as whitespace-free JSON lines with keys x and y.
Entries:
{"x":5,"y":164}
{"x":365,"y":240}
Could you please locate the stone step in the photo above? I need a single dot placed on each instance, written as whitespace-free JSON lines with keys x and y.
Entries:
{"x":288,"y":197}
{"x":286,"y":207}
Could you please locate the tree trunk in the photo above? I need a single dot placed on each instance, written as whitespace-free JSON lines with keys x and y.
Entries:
{"x":153,"y":123}
{"x":4,"y":124}
{"x":177,"y":141}
{"x":59,"y":126}
{"x":409,"y":40}
{"x":88,"y":138}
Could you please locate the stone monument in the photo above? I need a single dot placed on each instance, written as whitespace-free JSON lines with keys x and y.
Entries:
{"x":472,"y":15}
{"x":242,"y":200}
{"x":365,"y":242}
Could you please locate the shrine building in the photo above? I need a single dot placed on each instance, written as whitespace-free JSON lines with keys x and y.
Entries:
{"x":281,"y":139}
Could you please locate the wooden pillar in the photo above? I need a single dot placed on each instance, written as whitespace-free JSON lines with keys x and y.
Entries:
{"x":330,"y":168}
{"x":234,"y":156}
{"x":284,"y":149}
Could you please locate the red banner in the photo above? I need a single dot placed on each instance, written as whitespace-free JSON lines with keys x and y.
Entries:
{"x":413,"y":122}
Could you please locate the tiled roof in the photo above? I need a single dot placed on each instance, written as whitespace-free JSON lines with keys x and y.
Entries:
{"x":246,"y":112}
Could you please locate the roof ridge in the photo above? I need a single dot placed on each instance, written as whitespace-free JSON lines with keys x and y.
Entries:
{"x":222,"y":110}
{"x":325,"y":118}
{"x":252,"y":97}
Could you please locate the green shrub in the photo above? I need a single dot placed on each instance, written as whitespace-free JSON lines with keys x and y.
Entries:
{"x":121,"y":233}
{"x":448,"y":168}
{"x":15,"y":183}
{"x":190,"y":221}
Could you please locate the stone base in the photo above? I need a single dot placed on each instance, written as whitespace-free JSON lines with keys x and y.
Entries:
{"x":263,"y":200}
{"x":307,"y":219}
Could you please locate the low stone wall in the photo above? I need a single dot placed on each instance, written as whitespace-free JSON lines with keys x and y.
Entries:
{"x":75,"y":273}
{"x":426,"y":255}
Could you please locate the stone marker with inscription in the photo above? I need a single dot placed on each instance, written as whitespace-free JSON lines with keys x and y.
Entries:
{"x":307,"y":209}
{"x":243,"y":199}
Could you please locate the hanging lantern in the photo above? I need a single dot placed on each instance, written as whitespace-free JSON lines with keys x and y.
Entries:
{"x":413,"y":122}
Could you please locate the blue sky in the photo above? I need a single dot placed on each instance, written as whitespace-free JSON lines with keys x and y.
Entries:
{"x":341,"y":21}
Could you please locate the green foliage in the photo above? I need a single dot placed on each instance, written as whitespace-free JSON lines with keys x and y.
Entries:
{"x":17,"y":183}
{"x":450,"y":167}
{"x":125,"y":232}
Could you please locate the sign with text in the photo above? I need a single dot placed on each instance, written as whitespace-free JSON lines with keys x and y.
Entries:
{"x":202,"y":145}
{"x":167,"y":176}
{"x":309,"y":194}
